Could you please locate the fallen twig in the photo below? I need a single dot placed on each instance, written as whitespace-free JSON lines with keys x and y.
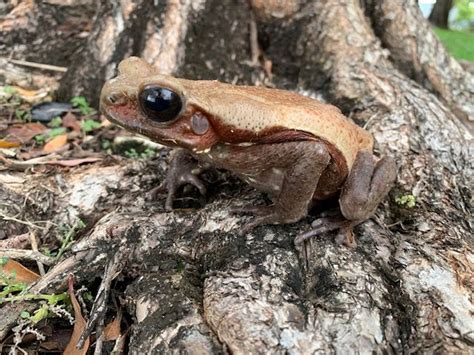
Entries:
{"x":38,"y":65}
{"x":34,"y":247}
{"x":27,"y":254}
{"x":28,"y":223}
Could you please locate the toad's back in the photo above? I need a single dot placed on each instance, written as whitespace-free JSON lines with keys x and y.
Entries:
{"x":261,"y":111}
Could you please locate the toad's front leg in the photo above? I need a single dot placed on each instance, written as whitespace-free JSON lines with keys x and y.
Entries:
{"x":183,"y":169}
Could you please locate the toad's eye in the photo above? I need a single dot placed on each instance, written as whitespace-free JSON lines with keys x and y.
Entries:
{"x":160,"y":104}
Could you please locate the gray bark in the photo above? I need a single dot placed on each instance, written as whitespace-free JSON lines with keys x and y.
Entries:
{"x":194,"y":285}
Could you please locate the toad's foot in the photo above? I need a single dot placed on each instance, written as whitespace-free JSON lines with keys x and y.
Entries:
{"x":262,"y":214}
{"x":320,"y":226}
{"x":183,"y":170}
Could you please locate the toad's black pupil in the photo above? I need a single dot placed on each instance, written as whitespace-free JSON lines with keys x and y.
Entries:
{"x":160,"y":104}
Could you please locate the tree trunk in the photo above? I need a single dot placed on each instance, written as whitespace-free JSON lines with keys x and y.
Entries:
{"x":417,"y":52}
{"x":440,"y":13}
{"x":192,"y":284}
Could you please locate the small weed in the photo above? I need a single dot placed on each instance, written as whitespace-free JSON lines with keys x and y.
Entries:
{"x":89,"y":125}
{"x":105,"y":144}
{"x":22,"y":115}
{"x":81,"y":103}
{"x":56,"y":132}
{"x":40,"y":139}
{"x":14,"y":291}
{"x":9,"y":90}
{"x":8,"y":280}
{"x":68,"y":236}
{"x":408,"y":201}
{"x":55,"y":122}
{"x":132,"y":153}
{"x":49,"y":305}
{"x":51,"y":299}
{"x":25,"y":314}
{"x":148,"y":153}
{"x":180,"y":267}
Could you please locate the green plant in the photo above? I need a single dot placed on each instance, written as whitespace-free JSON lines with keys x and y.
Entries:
{"x":10,"y":285}
{"x":134,"y":154}
{"x":56,"y":132}
{"x":406,"y":200}
{"x":68,"y":236}
{"x":9,"y":90}
{"x":105,"y":144}
{"x":39,"y":138}
{"x":459,"y":44}
{"x":148,"y":153}
{"x":22,"y":115}
{"x":131,"y":153}
{"x":55,"y":122}
{"x":14,"y":291}
{"x":89,"y":125}
{"x":49,"y":305}
{"x":464,"y":15}
{"x":81,"y":103}
{"x":46,"y":251}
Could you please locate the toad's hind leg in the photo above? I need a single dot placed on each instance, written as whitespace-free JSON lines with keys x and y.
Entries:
{"x":366,"y":185}
{"x":302,"y":164}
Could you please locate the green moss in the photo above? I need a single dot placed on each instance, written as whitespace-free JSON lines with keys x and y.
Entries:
{"x":459,"y":44}
{"x":406,"y":200}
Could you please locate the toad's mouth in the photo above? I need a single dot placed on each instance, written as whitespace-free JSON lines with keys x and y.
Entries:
{"x":111,"y":117}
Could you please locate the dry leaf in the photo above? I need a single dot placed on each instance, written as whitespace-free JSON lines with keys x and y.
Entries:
{"x":112,"y":330}
{"x":33,"y":152}
{"x":72,"y":162}
{"x":55,"y":143}
{"x":105,"y":123}
{"x":30,"y":96}
{"x":49,"y":159}
{"x":27,"y":93}
{"x":79,"y":325}
{"x":25,"y":132}
{"x":17,"y":17}
{"x":21,"y":273}
{"x":57,"y":338}
{"x":9,"y":144}
{"x":70,"y":121}
{"x":50,"y":345}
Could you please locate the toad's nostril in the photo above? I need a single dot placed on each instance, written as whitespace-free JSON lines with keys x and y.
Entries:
{"x":116,"y":98}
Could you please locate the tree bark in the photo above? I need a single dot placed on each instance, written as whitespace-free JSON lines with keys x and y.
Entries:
{"x":440,"y":13}
{"x":192,"y":283}
{"x":418,"y":53}
{"x":44,"y":32}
